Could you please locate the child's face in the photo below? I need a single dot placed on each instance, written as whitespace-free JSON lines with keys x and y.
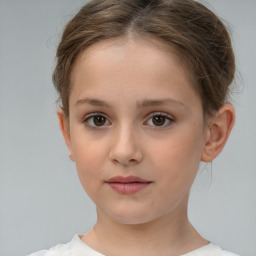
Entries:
{"x":134,"y":113}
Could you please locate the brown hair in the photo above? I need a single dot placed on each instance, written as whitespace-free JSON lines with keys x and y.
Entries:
{"x":195,"y":32}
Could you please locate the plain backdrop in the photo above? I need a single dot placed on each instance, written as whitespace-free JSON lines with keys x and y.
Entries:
{"x":42,"y":202}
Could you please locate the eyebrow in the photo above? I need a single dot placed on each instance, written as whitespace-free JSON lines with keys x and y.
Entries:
{"x":93,"y":102}
{"x":158,"y":102}
{"x":142,"y":104}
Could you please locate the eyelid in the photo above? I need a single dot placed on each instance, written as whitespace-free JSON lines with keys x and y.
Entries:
{"x":159,"y":113}
{"x":94,"y":114}
{"x":167,"y":116}
{"x":91,"y":115}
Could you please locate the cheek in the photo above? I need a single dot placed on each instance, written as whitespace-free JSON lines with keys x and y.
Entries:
{"x":178,"y":158}
{"x":89,"y":158}
{"x":87,"y":150}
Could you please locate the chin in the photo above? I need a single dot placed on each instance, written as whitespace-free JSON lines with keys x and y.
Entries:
{"x":130,"y":221}
{"x":131,"y":217}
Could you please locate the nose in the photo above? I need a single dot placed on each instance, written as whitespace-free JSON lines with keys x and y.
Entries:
{"x":126,"y":149}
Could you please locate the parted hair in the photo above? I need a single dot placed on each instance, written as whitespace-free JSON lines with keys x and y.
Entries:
{"x":199,"y":37}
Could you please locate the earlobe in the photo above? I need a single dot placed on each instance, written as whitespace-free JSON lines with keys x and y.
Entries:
{"x":65,"y":131}
{"x":218,"y":131}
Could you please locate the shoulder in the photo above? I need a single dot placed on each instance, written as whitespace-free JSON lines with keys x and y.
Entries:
{"x":60,"y":249}
{"x":75,"y":247}
{"x":210,"y":250}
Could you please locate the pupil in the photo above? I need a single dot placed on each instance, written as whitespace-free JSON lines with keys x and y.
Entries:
{"x":99,"y":120}
{"x":158,"y":120}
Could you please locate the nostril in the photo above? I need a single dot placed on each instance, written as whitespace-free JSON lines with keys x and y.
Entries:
{"x":125,"y":153}
{"x":125,"y":161}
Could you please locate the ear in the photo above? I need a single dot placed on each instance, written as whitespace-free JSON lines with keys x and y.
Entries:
{"x":64,"y":127}
{"x":217,"y":132}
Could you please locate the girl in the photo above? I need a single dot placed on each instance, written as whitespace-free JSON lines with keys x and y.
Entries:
{"x":143,"y":87}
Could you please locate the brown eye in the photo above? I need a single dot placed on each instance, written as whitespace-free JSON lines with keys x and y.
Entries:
{"x":158,"y":120}
{"x":96,"y":120}
{"x":99,"y":120}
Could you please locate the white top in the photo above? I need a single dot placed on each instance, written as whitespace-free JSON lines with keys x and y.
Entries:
{"x":78,"y":248}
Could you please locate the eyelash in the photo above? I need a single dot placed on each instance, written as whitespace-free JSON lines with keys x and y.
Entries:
{"x":90,"y":117}
{"x":167,"y":118}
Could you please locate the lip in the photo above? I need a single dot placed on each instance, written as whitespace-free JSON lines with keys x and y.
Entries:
{"x":127,"y":185}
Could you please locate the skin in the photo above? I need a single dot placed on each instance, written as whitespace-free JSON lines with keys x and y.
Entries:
{"x":128,"y":81}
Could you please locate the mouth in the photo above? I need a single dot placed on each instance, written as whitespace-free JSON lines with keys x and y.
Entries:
{"x":128,"y":185}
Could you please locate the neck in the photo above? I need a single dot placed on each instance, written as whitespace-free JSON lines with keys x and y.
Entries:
{"x":171,"y":234}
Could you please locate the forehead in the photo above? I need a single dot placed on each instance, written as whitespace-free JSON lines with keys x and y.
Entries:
{"x":137,"y":65}
{"x":141,"y":50}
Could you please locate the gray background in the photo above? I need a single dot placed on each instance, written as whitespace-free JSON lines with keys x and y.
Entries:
{"x":42,"y":202}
